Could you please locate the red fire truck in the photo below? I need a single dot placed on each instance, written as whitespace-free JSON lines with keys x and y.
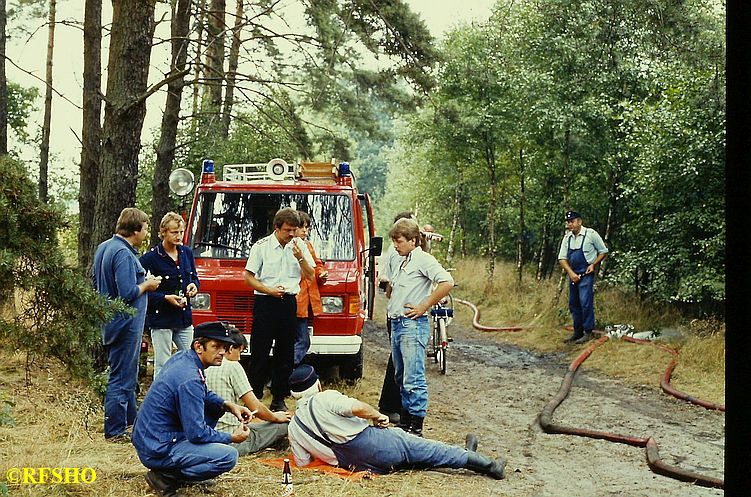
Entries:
{"x":229,"y":216}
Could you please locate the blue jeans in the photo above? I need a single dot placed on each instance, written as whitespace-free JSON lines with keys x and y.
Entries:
{"x":581,"y":303}
{"x":196,"y":462}
{"x":381,"y":450}
{"x":302,"y":340}
{"x":409,"y":337}
{"x":120,"y":398}
{"x":162,"y":339}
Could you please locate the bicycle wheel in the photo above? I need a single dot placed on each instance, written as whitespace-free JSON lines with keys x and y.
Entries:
{"x":440,"y":356}
{"x":449,"y":305}
{"x":435,"y":340}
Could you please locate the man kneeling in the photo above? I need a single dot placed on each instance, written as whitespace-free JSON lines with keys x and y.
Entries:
{"x":335,"y":428}
{"x":174,"y":433}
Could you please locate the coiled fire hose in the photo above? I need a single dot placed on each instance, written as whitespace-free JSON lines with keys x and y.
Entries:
{"x":652,"y":449}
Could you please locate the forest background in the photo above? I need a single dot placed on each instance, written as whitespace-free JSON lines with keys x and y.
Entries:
{"x":614,"y":108}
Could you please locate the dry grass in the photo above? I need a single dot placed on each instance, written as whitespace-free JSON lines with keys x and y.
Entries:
{"x":59,"y":424}
{"x":544,"y":310}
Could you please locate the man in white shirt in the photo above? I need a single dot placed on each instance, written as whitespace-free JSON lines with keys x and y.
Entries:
{"x":337,"y":430}
{"x":274,"y":268}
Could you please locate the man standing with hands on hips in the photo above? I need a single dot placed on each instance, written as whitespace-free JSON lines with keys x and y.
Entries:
{"x":582,"y":249}
{"x":274,"y":268}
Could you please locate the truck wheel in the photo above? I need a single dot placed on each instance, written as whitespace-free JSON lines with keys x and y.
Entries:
{"x":350,"y":367}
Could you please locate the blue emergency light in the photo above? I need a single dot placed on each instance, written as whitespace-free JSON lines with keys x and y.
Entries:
{"x":344,"y":169}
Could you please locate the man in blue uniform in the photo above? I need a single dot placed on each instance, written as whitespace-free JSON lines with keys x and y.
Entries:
{"x":174,"y":433}
{"x":581,"y":251}
{"x":337,"y":429}
{"x":119,"y":274}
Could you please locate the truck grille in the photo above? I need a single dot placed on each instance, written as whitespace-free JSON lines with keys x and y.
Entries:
{"x":235,"y":308}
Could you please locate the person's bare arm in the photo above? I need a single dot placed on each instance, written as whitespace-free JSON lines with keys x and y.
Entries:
{"x":441,"y":290}
{"x":253,"y":282}
{"x":366,"y":411}
{"x":263,"y":412}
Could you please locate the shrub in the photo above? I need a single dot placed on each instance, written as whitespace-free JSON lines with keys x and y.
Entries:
{"x":49,"y":308}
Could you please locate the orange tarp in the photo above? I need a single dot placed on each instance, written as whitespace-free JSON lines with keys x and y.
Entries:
{"x":320,"y":466}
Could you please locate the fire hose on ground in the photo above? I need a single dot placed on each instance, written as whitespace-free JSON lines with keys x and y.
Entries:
{"x":649,"y":443}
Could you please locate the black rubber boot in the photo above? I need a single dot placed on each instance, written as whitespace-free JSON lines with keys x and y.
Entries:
{"x":574,"y":337}
{"x":163,"y":483}
{"x":415,"y":425}
{"x":470,"y":443}
{"x":485,"y":465}
{"x":405,"y":420}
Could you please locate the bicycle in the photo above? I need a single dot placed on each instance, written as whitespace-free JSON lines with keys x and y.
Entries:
{"x":441,"y":314}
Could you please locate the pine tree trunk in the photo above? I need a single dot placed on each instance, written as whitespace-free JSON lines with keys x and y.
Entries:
{"x":165,"y":151}
{"x":234,"y":56}
{"x":91,"y":128}
{"x":215,"y":56}
{"x":200,"y":30}
{"x":125,"y":108}
{"x":3,"y":84}
{"x":44,"y":148}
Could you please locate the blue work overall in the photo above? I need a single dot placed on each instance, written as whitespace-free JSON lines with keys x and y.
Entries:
{"x":581,"y":295}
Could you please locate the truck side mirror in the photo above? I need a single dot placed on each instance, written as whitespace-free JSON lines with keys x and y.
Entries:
{"x":376,"y":246}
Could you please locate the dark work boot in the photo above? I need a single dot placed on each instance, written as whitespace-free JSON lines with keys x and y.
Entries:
{"x":404,"y":420}
{"x":470,"y":443}
{"x":587,"y":336}
{"x":415,"y":425}
{"x":574,"y":337}
{"x":163,"y":484}
{"x":485,"y":465}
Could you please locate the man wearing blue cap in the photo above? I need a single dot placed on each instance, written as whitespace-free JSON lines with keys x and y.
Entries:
{"x":337,"y":429}
{"x":174,"y":433}
{"x":582,"y":249}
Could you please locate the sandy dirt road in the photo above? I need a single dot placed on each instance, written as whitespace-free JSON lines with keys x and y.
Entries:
{"x":498,"y":390}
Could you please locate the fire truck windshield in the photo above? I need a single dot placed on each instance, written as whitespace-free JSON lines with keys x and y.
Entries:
{"x":226,"y":224}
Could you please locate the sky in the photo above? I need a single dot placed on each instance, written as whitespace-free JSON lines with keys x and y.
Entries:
{"x":29,"y":52}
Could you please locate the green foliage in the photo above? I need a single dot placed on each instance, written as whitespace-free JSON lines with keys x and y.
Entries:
{"x":50,"y":308}
{"x":615,"y":108}
{"x":20,"y":106}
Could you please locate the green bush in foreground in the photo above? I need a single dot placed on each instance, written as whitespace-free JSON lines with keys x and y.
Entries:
{"x":48,"y":307}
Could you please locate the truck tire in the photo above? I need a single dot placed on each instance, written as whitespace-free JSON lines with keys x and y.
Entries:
{"x":350,"y":367}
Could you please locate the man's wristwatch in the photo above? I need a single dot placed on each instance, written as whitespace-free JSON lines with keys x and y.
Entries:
{"x":300,"y":260}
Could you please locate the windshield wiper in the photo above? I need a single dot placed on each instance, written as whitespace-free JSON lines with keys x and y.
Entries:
{"x":217,"y":245}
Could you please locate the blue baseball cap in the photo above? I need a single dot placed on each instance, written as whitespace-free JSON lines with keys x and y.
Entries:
{"x":571,"y":215}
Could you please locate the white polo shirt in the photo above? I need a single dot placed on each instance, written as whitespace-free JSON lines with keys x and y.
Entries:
{"x":274,"y":265}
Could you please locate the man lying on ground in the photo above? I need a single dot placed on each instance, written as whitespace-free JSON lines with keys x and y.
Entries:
{"x":336,"y":429}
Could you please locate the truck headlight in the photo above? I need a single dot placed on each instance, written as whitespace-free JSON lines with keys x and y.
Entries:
{"x":201,"y":302}
{"x":332,"y":305}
